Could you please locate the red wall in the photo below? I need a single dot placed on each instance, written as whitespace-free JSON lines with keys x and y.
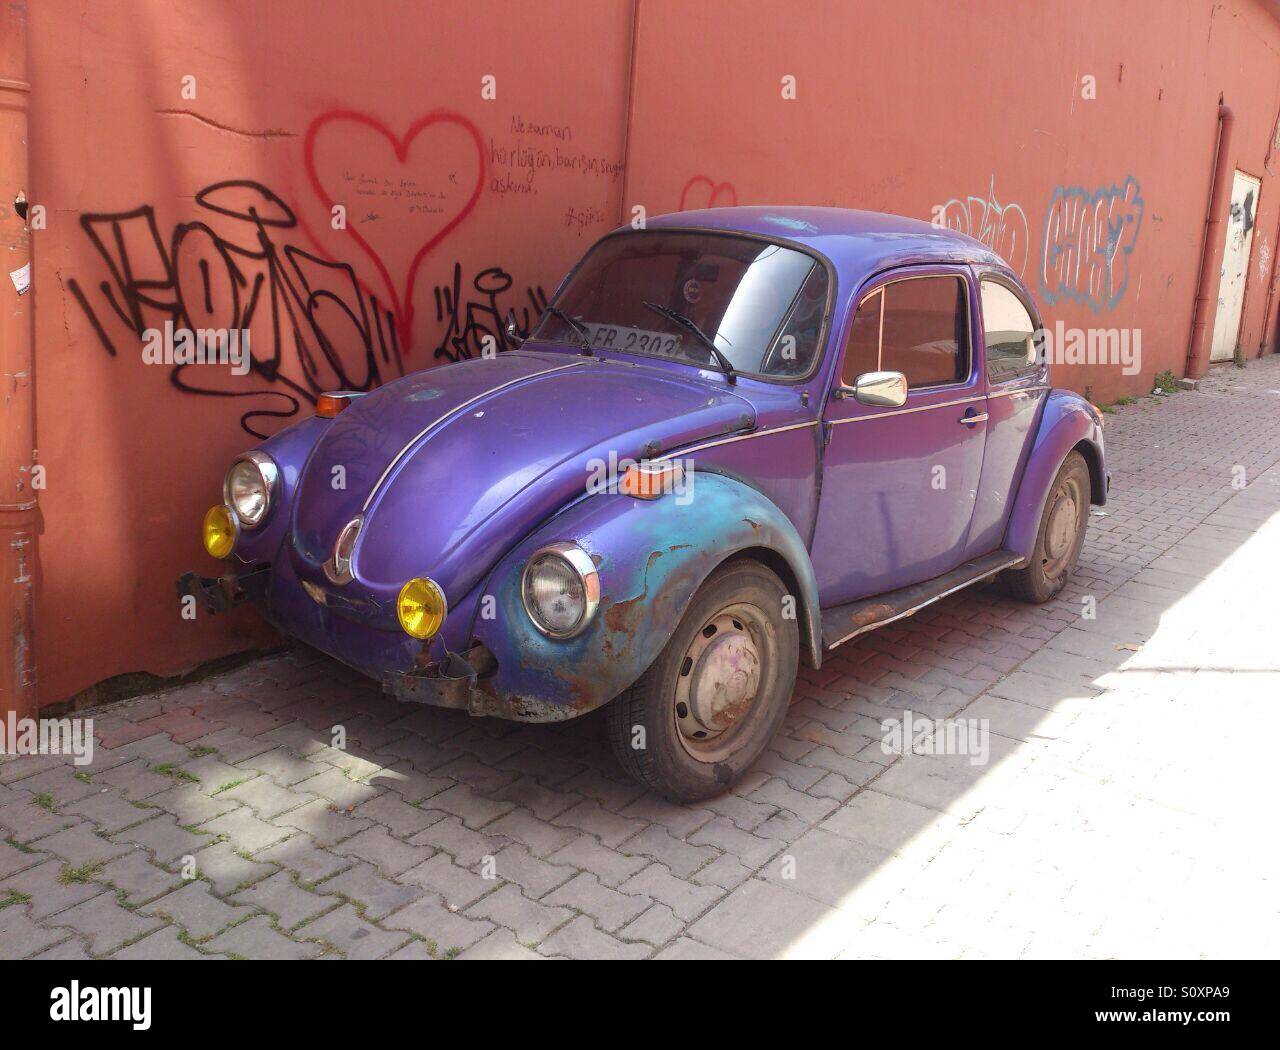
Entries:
{"x":902,"y":107}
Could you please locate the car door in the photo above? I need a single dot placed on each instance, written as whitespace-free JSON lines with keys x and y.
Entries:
{"x":1017,"y":384}
{"x":899,"y":484}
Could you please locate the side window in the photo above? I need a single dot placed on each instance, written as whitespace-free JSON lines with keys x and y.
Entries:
{"x":796,"y":347}
{"x":1010,"y":334}
{"x":862,"y":349}
{"x":925,"y":330}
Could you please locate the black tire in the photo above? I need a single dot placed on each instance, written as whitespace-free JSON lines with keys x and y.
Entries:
{"x":742,"y":602}
{"x":1058,"y":539}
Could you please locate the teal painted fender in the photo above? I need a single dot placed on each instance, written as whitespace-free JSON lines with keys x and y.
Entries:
{"x":1068,"y":421}
{"x":651,"y":555}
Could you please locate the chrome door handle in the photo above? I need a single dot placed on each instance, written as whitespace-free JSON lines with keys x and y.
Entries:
{"x":980,"y":417}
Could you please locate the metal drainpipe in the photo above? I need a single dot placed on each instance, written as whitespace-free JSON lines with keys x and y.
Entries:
{"x":1206,"y":306}
{"x":17,"y":391}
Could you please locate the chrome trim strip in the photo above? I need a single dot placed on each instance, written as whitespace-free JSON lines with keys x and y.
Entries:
{"x":980,"y":417}
{"x":916,"y":608}
{"x":908,"y":411}
{"x":1019,"y":390}
{"x":453,"y":412}
{"x":739,"y":437}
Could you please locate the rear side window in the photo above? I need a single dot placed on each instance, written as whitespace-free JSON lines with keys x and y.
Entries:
{"x":925,"y":330}
{"x":1009,"y":332}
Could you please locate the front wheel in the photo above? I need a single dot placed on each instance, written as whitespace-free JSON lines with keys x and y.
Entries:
{"x":1059,"y":538}
{"x":695,"y":721}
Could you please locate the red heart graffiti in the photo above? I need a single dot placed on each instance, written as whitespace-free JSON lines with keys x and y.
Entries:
{"x":715,"y":189}
{"x":402,"y":307}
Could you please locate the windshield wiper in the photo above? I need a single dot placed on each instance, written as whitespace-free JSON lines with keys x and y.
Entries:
{"x":725,"y":364}
{"x":578,"y":327}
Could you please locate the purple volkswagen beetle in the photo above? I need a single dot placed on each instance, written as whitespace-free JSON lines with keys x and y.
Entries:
{"x":734,"y":437}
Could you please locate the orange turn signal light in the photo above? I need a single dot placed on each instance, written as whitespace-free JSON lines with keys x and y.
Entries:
{"x":330,"y":404}
{"x":650,"y":480}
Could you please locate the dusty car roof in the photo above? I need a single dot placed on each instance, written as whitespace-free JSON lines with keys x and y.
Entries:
{"x":858,"y":243}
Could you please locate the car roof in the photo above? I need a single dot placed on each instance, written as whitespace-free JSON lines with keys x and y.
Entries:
{"x":859,"y":244}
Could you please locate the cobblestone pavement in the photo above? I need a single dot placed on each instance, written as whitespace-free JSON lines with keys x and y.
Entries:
{"x":1124,"y":811}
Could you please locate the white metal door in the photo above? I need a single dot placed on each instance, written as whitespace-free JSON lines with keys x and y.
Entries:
{"x":1235,"y":266}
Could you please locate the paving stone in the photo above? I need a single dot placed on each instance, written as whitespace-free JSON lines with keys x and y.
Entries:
{"x":751,"y":850}
{"x":540,"y":837}
{"x":14,"y":860}
{"x":761,"y":921}
{"x":137,"y":780}
{"x":684,"y":898}
{"x":680,"y":821}
{"x":414,"y":951}
{"x":164,"y":839}
{"x":192,"y":806}
{"x":283,"y":765}
{"x":581,"y":940}
{"x":456,"y":885}
{"x":323,"y":823}
{"x":332,"y":785}
{"x":26,"y":820}
{"x":397,"y":815}
{"x":609,"y":866}
{"x":227,"y":870}
{"x":105,"y":924}
{"x":379,"y":847}
{"x":445,"y":929}
{"x":139,"y":878}
{"x":687,"y":949}
{"x":266,"y":798}
{"x":21,"y":937}
{"x":302,"y":856}
{"x":257,"y":939}
{"x":108,"y":811}
{"x":79,"y":846}
{"x":680,"y":857}
{"x":725,"y":871}
{"x":60,"y":782}
{"x":609,"y":908}
{"x":196,"y":910}
{"x":543,"y":802}
{"x":49,"y":895}
{"x":610,"y":828}
{"x":364,"y":886}
{"x":467,"y":847}
{"x":282,"y":897}
{"x":245,"y":831}
{"x":162,"y":946}
{"x":353,"y":936}
{"x":530,"y":920}
{"x":70,"y":950}
{"x":500,"y":945}
{"x":657,"y":925}
{"x":535,"y":877}
{"x":475,"y":810}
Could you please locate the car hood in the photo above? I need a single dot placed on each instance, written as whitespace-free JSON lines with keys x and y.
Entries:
{"x":454,"y":466}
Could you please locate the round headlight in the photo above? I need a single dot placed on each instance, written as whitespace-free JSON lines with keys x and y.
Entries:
{"x":248,"y":487}
{"x":219,"y":531}
{"x":421,"y":607}
{"x":560,"y":589}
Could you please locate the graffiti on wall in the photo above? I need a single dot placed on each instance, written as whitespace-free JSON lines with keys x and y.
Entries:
{"x":1088,"y":238}
{"x":474,"y":325}
{"x":316,"y":329}
{"x":702,"y":191}
{"x":1001,"y":227}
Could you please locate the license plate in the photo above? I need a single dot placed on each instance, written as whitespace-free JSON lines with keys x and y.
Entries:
{"x":641,"y":340}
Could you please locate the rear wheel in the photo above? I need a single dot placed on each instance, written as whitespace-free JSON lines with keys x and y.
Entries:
{"x":1059,"y":539}
{"x":696,"y":720}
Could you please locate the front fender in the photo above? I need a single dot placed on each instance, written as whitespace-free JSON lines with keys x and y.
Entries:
{"x":1068,"y":421}
{"x":652,"y":555}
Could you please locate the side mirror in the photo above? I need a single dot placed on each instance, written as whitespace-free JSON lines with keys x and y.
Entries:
{"x":879,"y":389}
{"x":513,"y":335}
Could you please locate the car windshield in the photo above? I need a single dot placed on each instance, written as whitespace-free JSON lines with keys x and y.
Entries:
{"x":762,"y":304}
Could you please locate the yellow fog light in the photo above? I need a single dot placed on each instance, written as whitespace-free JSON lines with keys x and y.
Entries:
{"x":219,"y":531}
{"x":421,"y":607}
